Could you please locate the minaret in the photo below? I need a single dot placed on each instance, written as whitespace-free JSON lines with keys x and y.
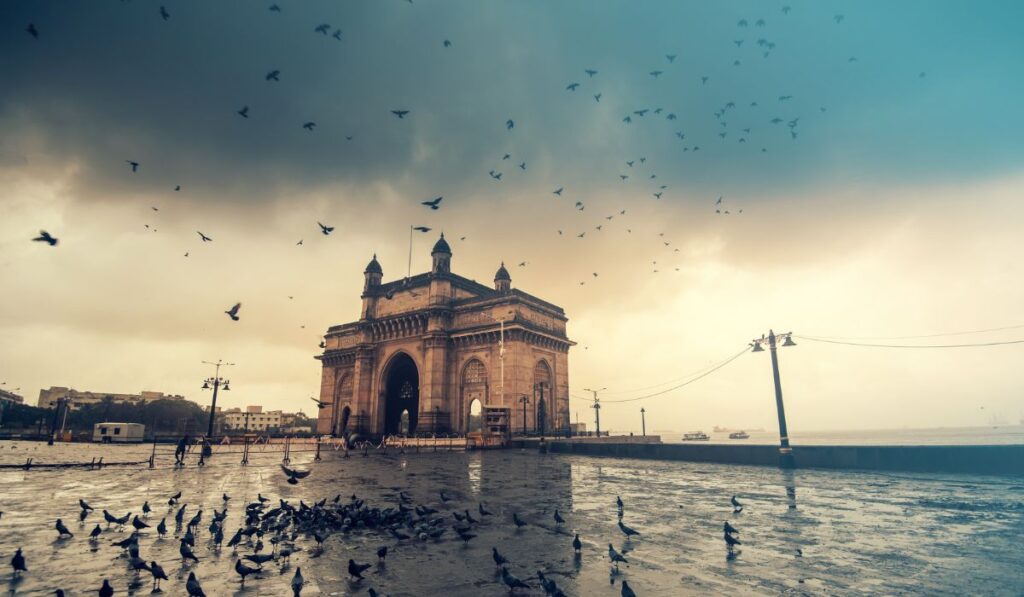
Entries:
{"x":502,"y":281}
{"x":442,"y":255}
{"x":372,"y":274}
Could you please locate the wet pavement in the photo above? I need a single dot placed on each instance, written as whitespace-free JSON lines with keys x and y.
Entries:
{"x":803,"y":532}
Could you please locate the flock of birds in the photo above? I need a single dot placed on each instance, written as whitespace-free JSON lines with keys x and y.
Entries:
{"x":743,"y":46}
{"x":285,"y":525}
{"x":753,"y":40}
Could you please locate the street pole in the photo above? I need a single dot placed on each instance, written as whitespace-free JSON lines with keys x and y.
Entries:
{"x":525,"y":400}
{"x":785,"y":452}
{"x":643,"y":421}
{"x":597,"y":409}
{"x":501,"y":357}
{"x":217,"y":382}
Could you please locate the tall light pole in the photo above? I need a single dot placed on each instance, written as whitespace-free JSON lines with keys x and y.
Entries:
{"x":786,"y":459}
{"x":216,"y":382}
{"x":597,"y":409}
{"x":643,"y":421}
{"x":501,"y":356}
{"x":525,"y":400}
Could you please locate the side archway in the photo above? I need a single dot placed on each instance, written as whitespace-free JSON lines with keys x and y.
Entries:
{"x":473,"y":389}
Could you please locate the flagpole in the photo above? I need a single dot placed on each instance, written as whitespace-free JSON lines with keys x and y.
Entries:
{"x":408,"y":271}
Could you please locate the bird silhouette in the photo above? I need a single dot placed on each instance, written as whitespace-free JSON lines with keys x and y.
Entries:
{"x":572,"y":86}
{"x":106,"y":590}
{"x":134,"y":165}
{"x":243,"y":112}
{"x":45,"y":237}
{"x":309,"y":126}
{"x":31,"y":30}
{"x":421,"y":228}
{"x":337,"y":34}
{"x":670,"y":57}
{"x":294,"y":475}
{"x":326,"y":230}
{"x":62,"y":530}
{"x":447,"y":43}
{"x":356,"y":570}
{"x":275,"y":8}
{"x":627,"y":591}
{"x":193,"y":587}
{"x":244,"y":570}
{"x":233,"y":314}
{"x":297,"y":582}
{"x":164,"y":14}
{"x":273,"y":75}
{"x":204,"y":238}
{"x":512,"y":581}
{"x":433,"y":203}
{"x":509,"y":124}
{"x":322,"y":28}
{"x":400,"y":113}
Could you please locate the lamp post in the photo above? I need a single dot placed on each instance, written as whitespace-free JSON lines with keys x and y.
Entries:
{"x":786,"y":459}
{"x":643,"y":421}
{"x":215,"y":382}
{"x":525,"y":400}
{"x":597,"y":409}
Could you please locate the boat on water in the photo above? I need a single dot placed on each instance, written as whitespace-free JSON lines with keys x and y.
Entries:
{"x":739,"y":435}
{"x":696,"y":436}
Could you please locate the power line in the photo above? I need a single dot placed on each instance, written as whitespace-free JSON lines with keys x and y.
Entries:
{"x":745,"y":350}
{"x":979,"y":344}
{"x":963,"y":333}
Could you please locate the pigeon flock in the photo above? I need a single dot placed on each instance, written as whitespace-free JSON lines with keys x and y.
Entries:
{"x":269,"y":533}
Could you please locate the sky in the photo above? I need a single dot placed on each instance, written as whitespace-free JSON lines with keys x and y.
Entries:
{"x":874,"y":149}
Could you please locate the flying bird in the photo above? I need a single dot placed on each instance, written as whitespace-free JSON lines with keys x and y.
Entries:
{"x":325,"y":229}
{"x":309,"y":126}
{"x":164,"y":14}
{"x":233,"y":314}
{"x":294,"y":474}
{"x":275,"y":8}
{"x":558,"y":191}
{"x":597,"y":97}
{"x":655,"y":73}
{"x":322,"y":28}
{"x":244,"y":113}
{"x":205,"y":238}
{"x":447,"y":43}
{"x":31,"y":30}
{"x":274,"y":75}
{"x":509,"y":124}
{"x":400,"y":113}
{"x":134,"y":165}
{"x":572,"y":86}
{"x":421,"y":228}
{"x":590,"y":72}
{"x":670,"y":57}
{"x":45,"y":237}
{"x":433,"y":203}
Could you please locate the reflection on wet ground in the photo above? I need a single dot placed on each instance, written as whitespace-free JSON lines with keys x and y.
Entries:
{"x":813,"y":532}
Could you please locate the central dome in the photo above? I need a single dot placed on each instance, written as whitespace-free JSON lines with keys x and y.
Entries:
{"x":441,"y":246}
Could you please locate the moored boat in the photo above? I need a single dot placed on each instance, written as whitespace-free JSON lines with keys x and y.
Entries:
{"x":696,"y":436}
{"x":739,"y":435}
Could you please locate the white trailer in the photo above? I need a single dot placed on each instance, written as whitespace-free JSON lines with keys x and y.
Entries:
{"x":118,"y":433}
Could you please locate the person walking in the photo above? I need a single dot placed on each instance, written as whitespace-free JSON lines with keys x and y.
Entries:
{"x":179,"y":452}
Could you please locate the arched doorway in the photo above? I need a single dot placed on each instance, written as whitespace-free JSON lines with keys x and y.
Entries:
{"x":474,"y":392}
{"x":342,"y":395}
{"x":343,"y":424}
{"x":475,"y":424}
{"x":401,"y":393}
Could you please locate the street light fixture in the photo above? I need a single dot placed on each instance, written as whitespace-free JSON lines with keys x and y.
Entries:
{"x":643,"y":421}
{"x":216,"y":381}
{"x":786,"y":459}
{"x":597,"y":409}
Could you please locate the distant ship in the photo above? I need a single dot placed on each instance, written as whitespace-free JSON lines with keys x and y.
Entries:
{"x":739,"y":435}
{"x":696,"y":436}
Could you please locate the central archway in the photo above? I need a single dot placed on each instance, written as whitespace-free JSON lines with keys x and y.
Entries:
{"x":401,"y":393}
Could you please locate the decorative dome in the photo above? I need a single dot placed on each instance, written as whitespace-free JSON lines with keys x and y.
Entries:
{"x":441,"y":246}
{"x":373,"y":267}
{"x":502,"y":274}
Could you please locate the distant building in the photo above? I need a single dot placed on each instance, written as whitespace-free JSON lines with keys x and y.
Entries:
{"x":8,"y":397}
{"x":48,"y":398}
{"x":253,"y":418}
{"x":429,"y":348}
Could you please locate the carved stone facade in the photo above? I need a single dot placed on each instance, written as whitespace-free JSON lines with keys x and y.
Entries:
{"x":427,"y":346}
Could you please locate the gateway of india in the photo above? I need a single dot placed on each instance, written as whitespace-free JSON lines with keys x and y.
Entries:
{"x":431,"y":351}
